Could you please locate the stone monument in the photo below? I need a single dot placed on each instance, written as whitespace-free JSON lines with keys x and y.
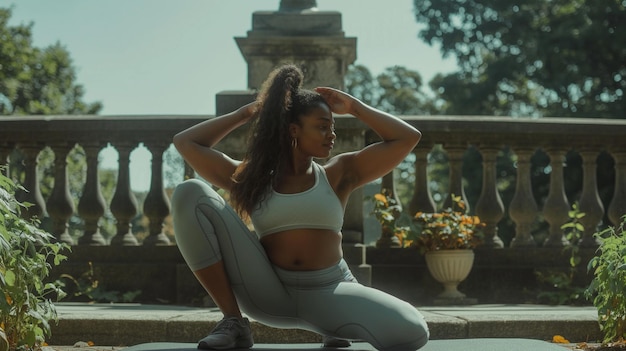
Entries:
{"x":313,"y":40}
{"x":298,"y":33}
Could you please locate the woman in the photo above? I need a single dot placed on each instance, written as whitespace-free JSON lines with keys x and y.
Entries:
{"x":291,"y":273}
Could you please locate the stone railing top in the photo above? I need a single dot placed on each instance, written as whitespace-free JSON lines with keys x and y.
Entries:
{"x":557,"y":131}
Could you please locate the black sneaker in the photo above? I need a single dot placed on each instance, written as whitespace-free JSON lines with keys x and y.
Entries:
{"x":331,"y":341}
{"x":229,"y":333}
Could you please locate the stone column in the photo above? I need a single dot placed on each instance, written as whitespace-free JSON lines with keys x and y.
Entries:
{"x":60,"y":204}
{"x":156,"y":205}
{"x":31,"y":183}
{"x":5,"y":151}
{"x":314,"y":41}
{"x":455,"y":160}
{"x":556,"y":207}
{"x":489,"y":206}
{"x":590,"y":203}
{"x":523,"y":208}
{"x":92,"y":205}
{"x":124,"y":204}
{"x":617,"y":207}
{"x":422,"y":200}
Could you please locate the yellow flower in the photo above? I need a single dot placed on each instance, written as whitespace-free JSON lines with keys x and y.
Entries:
{"x":558,"y":339}
{"x":382,"y":198}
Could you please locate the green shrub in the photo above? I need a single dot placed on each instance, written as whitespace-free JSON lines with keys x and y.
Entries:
{"x":559,"y":287}
{"x":608,"y":287}
{"x":27,"y":254}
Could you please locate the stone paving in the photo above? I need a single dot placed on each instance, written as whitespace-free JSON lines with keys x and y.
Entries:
{"x":478,"y":327}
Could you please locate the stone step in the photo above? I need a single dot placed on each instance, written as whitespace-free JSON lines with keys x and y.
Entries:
{"x":131,"y":324}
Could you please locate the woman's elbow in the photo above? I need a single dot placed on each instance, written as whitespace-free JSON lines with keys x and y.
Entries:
{"x":417,"y":136}
{"x":414,"y":137}
{"x":179,"y":141}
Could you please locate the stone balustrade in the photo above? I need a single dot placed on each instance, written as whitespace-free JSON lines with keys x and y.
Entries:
{"x":454,"y":135}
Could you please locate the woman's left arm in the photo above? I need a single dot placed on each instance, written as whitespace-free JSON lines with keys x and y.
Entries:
{"x":375,"y":160}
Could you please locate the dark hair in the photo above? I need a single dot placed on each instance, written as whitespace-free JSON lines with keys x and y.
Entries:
{"x":281,"y":101}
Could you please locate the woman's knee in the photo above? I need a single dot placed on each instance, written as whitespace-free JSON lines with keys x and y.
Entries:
{"x":401,"y":329}
{"x":421,"y":333}
{"x":186,"y":192}
{"x":415,"y":335}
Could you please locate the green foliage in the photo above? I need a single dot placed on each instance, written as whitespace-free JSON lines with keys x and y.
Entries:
{"x":532,"y":58}
{"x":397,"y":90}
{"x":36,"y":81}
{"x":561,"y":288}
{"x":27,"y":254}
{"x":449,"y":229}
{"x":388,"y":212}
{"x":88,"y":288}
{"x":608,"y":287}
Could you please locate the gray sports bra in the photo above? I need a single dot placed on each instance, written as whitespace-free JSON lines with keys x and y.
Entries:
{"x":315,"y":208}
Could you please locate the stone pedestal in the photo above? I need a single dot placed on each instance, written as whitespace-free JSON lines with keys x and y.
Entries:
{"x":230,"y":100}
{"x":313,"y":40}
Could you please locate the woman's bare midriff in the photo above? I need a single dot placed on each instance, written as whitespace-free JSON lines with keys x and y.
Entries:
{"x":303,"y":249}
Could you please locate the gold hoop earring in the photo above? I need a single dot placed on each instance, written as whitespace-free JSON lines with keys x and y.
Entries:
{"x":294,"y":143}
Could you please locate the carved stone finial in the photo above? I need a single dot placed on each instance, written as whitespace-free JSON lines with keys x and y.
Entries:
{"x":297,"y":5}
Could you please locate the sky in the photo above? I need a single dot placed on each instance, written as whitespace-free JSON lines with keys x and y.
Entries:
{"x":145,"y":57}
{"x":172,"y":56}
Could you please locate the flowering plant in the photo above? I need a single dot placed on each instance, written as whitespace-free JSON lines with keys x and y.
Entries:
{"x":449,"y":229}
{"x":387,"y":211}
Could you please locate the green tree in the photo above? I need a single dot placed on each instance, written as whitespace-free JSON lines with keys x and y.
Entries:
{"x":397,"y":90}
{"x":37,"y":81}
{"x":557,"y":57}
{"x":536,"y":58}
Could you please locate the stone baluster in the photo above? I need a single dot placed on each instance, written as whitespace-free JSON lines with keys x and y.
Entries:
{"x":590,"y":203}
{"x":523,"y":208}
{"x":91,"y":205}
{"x":617,"y":207}
{"x":156,"y":205}
{"x":60,"y":204}
{"x":455,"y":160}
{"x":422,"y":200}
{"x":124,"y":203}
{"x":489,"y":206}
{"x":389,"y":185}
{"x":556,"y":207}
{"x":190,"y":173}
{"x":5,"y":150}
{"x":388,"y":239}
{"x":31,"y":183}
{"x":354,"y":209}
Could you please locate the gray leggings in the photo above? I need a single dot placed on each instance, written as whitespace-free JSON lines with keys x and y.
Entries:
{"x":328,"y":301}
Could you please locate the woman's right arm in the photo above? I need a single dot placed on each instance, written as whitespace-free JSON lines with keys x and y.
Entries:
{"x":195,"y":144}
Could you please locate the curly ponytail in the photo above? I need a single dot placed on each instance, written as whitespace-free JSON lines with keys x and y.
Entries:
{"x":269,"y":143}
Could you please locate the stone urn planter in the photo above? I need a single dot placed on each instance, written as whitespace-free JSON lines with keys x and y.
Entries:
{"x":450,"y":267}
{"x":4,"y":343}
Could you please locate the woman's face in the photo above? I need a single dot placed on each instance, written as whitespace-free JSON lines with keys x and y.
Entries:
{"x":316,"y":133}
